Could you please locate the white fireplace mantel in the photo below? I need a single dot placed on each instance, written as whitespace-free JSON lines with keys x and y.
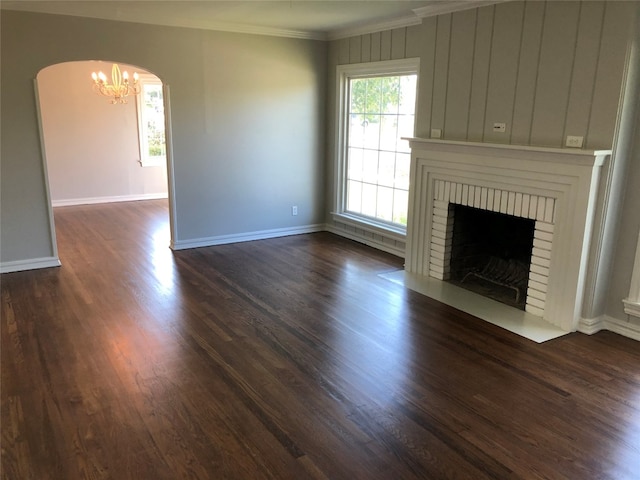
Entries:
{"x":556,"y":187}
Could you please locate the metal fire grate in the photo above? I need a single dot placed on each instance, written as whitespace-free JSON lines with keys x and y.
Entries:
{"x":511,"y":274}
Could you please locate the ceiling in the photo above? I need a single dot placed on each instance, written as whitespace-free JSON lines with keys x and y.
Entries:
{"x":316,"y":19}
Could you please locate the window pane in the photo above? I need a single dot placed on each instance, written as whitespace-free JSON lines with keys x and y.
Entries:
{"x":356,"y":132}
{"x":374,"y":86}
{"x":385,"y":204}
{"x":355,"y":164}
{"x":354,"y":196}
{"x":386,"y":169}
{"x":370,"y":166}
{"x":381,"y":111}
{"x":372,"y":132}
{"x":358,"y":91}
{"x":407,"y":94}
{"x":390,"y":94}
{"x":403,"y":164}
{"x":400,"y":206}
{"x":369,"y":199}
{"x":388,"y":132}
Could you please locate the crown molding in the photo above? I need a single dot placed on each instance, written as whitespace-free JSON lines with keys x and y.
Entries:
{"x":436,"y":8}
{"x":248,"y":29}
{"x":400,"y":22}
{"x":440,"y":8}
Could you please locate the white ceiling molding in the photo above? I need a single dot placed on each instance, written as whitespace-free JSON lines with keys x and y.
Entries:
{"x":431,"y":10}
{"x":440,"y":8}
{"x":390,"y":24}
{"x":242,"y":28}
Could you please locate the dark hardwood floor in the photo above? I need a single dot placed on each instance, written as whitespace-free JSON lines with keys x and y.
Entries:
{"x":287,"y":358}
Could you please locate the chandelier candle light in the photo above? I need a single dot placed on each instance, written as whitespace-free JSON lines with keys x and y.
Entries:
{"x":120,"y":86}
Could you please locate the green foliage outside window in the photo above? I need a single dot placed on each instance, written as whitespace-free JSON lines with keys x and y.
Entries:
{"x":371,"y":97}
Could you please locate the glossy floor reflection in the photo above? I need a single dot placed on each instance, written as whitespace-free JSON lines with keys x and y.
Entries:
{"x":516,"y":321}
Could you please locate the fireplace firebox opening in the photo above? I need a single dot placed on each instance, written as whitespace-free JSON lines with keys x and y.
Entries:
{"x":491,"y":254}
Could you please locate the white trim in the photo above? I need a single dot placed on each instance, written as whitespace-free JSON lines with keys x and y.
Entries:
{"x":109,"y":199}
{"x":245,"y":237}
{"x":370,"y":242}
{"x":440,"y":8}
{"x":171,"y":176}
{"x":631,"y":308}
{"x":30,"y":264}
{"x":435,"y":8}
{"x":396,"y":234}
{"x":627,"y":329}
{"x":238,"y":28}
{"x":389,"y":24}
{"x":590,"y":326}
{"x":47,"y":189}
{"x":605,"y":322}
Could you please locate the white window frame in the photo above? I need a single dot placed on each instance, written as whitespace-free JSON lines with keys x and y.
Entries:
{"x":344,"y":74}
{"x":145,"y":159}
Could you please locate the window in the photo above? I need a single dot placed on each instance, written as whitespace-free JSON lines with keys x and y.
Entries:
{"x":377,"y":108}
{"x":151,"y":122}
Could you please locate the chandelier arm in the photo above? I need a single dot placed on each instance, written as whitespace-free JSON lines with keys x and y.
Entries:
{"x":120,"y":87}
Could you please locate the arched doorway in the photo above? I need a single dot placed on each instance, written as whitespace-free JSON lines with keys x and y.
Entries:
{"x":94,"y":151}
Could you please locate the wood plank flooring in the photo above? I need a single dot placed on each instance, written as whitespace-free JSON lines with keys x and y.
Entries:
{"x":286,"y":358}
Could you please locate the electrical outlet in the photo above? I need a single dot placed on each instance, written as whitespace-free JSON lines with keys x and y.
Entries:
{"x":436,"y":133}
{"x":294,"y":210}
{"x":574,"y":142}
{"x":499,"y":127}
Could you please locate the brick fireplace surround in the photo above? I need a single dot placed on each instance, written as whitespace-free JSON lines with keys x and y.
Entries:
{"x":557,"y":188}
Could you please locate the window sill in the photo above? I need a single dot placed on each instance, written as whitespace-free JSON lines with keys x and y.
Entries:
{"x":378,"y":228}
{"x":632,"y":308}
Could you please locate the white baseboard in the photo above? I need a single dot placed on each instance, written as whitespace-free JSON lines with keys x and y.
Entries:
{"x":590,"y":326}
{"x":398,"y":252}
{"x":625,"y":328}
{"x":245,"y":237}
{"x":31,"y":264}
{"x":111,"y":199}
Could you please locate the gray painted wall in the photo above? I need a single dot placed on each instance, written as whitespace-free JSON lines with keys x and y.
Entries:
{"x":247,"y":114}
{"x":546,"y":69}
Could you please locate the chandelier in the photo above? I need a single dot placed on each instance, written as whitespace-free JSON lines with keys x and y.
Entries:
{"x":119,"y":88}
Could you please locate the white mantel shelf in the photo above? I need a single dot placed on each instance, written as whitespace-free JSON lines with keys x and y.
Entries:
{"x":565,"y":181}
{"x":545,"y":154}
